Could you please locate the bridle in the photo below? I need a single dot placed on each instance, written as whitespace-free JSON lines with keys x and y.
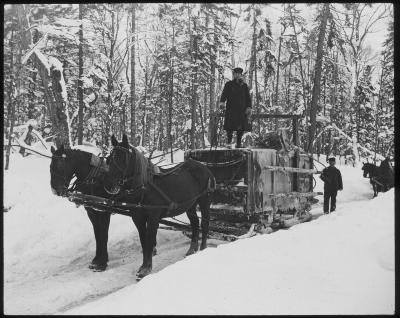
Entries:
{"x":63,"y":176}
{"x":367,"y":168}
{"x":87,"y":180}
{"x":124,"y":171}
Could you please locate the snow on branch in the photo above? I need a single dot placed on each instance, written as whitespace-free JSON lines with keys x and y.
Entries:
{"x":355,"y":144}
{"x":34,"y":150}
{"x":36,"y":46}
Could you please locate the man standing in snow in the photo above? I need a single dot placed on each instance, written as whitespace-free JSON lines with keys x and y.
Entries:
{"x":332,"y":183}
{"x":238,"y":107}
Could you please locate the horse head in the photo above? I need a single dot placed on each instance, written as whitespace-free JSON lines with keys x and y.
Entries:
{"x":62,"y":169}
{"x":121,"y":165}
{"x":366,"y":169}
{"x":65,"y":164}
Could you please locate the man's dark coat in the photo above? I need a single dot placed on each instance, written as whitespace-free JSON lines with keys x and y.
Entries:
{"x":332,"y":179}
{"x":237,"y":95}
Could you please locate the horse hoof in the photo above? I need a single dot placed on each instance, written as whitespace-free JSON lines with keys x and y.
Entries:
{"x":142,"y":272}
{"x":191,"y":251}
{"x":98,"y":267}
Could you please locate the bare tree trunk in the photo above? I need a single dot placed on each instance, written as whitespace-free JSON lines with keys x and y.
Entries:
{"x":161,"y":130}
{"x":202,"y":126}
{"x":144,"y":115}
{"x":171,"y":92}
{"x":212,"y":133}
{"x":110,"y":104}
{"x":195,"y":83}
{"x":276,"y":99}
{"x":133,"y":78}
{"x":378,"y":113}
{"x":300,"y":63}
{"x":288,"y":103}
{"x":192,"y":47}
{"x":257,"y":95}
{"x":232,"y":43}
{"x":80,"y":82}
{"x":317,"y":78}
{"x":11,"y":100}
{"x":253,"y":53}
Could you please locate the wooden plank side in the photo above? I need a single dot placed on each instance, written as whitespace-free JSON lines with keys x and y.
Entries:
{"x":290,"y":169}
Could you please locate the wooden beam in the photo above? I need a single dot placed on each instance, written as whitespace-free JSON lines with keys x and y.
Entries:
{"x":294,"y":194}
{"x":290,"y":169}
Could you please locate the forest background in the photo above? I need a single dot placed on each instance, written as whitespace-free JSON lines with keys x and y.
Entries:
{"x":82,"y":72}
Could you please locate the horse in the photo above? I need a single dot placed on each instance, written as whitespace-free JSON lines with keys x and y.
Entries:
{"x":160,"y":195}
{"x":90,"y":172}
{"x":381,"y":178}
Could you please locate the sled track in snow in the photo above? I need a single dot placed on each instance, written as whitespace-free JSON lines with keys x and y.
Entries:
{"x":72,"y":283}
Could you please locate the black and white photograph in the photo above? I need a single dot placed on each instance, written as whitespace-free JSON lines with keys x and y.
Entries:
{"x":199,"y":158}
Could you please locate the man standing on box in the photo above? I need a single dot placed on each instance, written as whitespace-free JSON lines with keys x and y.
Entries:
{"x":238,"y":107}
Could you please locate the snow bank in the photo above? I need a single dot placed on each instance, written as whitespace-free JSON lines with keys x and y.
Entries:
{"x":341,"y":263}
{"x":46,"y":236}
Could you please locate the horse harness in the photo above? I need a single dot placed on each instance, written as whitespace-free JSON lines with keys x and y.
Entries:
{"x":171,"y":205}
{"x":90,"y":178}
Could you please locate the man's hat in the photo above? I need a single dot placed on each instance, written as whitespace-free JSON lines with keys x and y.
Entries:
{"x":332,"y":159}
{"x":238,"y":70}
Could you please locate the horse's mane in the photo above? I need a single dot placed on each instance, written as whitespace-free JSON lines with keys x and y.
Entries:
{"x":77,"y":152}
{"x":143,"y":168}
{"x":89,"y":157}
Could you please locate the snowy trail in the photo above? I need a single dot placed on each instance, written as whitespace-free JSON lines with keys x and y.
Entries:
{"x":68,"y":282}
{"x":341,"y":263}
{"x":48,"y":243}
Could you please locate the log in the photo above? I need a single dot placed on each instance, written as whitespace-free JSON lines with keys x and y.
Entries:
{"x":294,"y":194}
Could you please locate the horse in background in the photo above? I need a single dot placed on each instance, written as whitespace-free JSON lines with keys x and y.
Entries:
{"x":160,"y":195}
{"x":381,"y":178}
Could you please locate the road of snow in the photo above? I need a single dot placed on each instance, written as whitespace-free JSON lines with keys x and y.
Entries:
{"x":48,"y":244}
{"x":342,"y":263}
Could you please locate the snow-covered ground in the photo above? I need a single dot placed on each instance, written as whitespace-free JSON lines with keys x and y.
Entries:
{"x":342,"y":263}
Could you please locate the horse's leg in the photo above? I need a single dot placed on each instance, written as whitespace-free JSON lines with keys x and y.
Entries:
{"x":194,"y":224}
{"x":155,"y":242}
{"x":104,"y":224}
{"x":375,"y":189}
{"x":140,"y":222}
{"x":94,"y":218}
{"x":204,"y":203}
{"x":150,"y":238}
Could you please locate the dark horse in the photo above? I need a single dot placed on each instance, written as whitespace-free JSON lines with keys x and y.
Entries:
{"x":381,"y":178}
{"x":89,"y":170}
{"x":160,"y":195}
